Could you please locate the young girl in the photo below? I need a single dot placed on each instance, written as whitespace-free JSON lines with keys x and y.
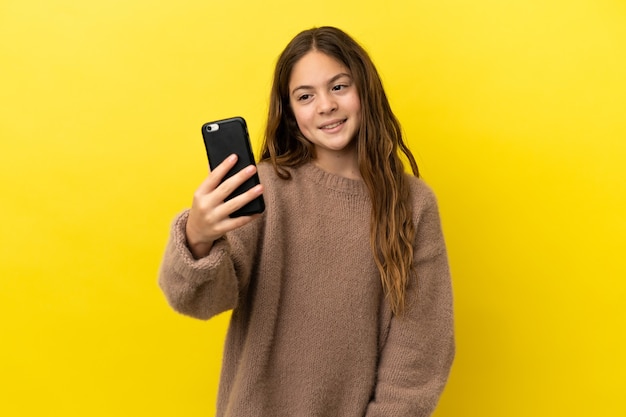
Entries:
{"x":340,"y":291}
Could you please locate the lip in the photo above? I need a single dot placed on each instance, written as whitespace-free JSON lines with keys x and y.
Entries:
{"x":338,"y":122}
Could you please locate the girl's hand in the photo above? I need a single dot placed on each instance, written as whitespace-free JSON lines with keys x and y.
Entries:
{"x":209,"y":215}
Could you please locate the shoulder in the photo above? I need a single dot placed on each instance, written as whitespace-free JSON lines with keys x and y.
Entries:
{"x":422,"y":195}
{"x":429,"y":240}
{"x":266,"y":170}
{"x":268,"y":175}
{"x":276,"y":189}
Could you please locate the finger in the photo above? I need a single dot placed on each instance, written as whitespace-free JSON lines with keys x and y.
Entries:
{"x":227,"y":187}
{"x":212,"y":181}
{"x":241,"y":200}
{"x":233,"y":223}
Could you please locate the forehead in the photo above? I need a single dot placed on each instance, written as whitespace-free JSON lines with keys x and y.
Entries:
{"x":316,"y":68}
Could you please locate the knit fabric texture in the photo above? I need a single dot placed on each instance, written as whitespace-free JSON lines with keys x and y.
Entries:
{"x":311,"y":333}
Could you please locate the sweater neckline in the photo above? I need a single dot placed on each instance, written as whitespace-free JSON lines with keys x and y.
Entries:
{"x":333,"y":181}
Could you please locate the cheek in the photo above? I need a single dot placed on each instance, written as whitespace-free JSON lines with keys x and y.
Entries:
{"x":301,"y":119}
{"x":357,"y":104}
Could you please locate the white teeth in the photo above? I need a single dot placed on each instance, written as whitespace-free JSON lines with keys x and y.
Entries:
{"x":334,"y":125}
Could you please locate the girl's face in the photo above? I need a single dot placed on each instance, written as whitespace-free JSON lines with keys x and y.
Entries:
{"x":326,"y":105}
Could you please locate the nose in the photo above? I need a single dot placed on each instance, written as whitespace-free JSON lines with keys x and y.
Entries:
{"x":326,"y":103}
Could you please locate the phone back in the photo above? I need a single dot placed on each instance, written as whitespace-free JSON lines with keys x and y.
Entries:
{"x":223,"y":138}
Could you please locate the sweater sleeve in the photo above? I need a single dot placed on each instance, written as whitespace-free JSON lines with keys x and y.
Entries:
{"x":203,"y":288}
{"x":417,"y":355}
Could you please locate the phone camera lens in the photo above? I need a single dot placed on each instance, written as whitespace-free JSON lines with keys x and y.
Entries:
{"x":209,"y":128}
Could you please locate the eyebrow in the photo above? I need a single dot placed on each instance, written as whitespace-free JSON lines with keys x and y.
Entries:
{"x":332,"y":80}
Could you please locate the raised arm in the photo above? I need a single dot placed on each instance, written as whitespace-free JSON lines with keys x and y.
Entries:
{"x":203,"y":270}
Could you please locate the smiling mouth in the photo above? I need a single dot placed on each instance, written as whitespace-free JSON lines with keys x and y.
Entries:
{"x":333,"y":125}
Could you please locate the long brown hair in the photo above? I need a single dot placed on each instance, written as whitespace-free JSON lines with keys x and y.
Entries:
{"x":379,"y":143}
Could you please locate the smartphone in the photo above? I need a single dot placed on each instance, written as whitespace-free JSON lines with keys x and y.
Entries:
{"x":223,"y":138}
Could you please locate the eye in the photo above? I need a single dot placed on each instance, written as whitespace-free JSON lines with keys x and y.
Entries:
{"x":341,"y":87}
{"x":304,"y":97}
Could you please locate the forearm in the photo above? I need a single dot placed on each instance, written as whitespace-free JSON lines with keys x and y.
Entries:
{"x":413,"y":367}
{"x":199,"y":288}
{"x":408,"y":386}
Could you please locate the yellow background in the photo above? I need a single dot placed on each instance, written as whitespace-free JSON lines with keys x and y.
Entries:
{"x":516,"y":111}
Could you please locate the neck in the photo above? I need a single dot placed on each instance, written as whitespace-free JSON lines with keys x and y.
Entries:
{"x":343,"y":164}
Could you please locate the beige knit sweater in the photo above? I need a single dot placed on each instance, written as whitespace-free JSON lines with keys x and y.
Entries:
{"x":310,"y":332}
